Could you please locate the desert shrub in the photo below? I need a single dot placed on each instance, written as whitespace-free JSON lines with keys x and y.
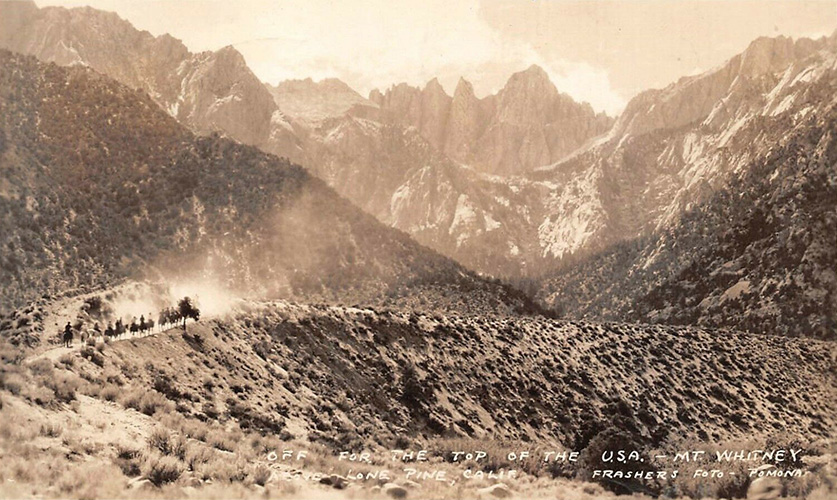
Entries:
{"x":195,"y":430}
{"x":222,"y":441}
{"x":10,"y":354}
{"x":167,"y":443}
{"x":40,"y":395}
{"x":210,"y":410}
{"x":64,"y":386}
{"x":92,"y":354}
{"x":260,"y":474}
{"x":610,"y":439}
{"x":178,"y":446}
{"x":127,"y":451}
{"x":159,"y":440}
{"x":12,"y":382}
{"x":110,"y":392}
{"x":147,"y":402}
{"x":68,"y":360}
{"x":50,"y":429}
{"x":41,"y":368}
{"x":129,"y":459}
{"x":162,"y":470}
{"x":222,"y":469}
{"x":85,"y":447}
{"x":196,"y":456}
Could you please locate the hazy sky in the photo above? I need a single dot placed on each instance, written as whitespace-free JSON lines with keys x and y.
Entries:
{"x":600,"y":51}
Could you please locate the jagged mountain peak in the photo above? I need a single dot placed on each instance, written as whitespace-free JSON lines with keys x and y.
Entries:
{"x":692,"y":99}
{"x":434,"y":86}
{"x":768,"y":55}
{"x":334,"y":84}
{"x":464,"y":88}
{"x":534,"y":71}
{"x":309,"y":102}
{"x":291,"y":236}
{"x":208,"y":92}
{"x":230,"y":52}
{"x":534,"y":77}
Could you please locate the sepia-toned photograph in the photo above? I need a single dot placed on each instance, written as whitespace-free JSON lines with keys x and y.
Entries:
{"x":418,"y":249}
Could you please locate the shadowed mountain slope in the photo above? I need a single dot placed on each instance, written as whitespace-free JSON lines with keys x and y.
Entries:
{"x":99,"y":184}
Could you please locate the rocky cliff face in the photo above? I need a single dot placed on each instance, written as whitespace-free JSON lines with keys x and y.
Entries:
{"x":526,"y":125}
{"x":310,"y":102}
{"x":672,"y":148}
{"x":744,"y":236}
{"x":510,"y":184}
{"x":208,"y":92}
{"x":98,"y":184}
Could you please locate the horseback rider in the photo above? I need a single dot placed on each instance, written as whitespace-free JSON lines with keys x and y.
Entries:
{"x":68,"y":335}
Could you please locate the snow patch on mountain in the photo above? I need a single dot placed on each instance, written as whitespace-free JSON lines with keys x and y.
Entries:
{"x":576,"y":213}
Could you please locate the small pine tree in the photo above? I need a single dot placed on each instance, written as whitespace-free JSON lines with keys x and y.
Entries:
{"x":187,"y":309}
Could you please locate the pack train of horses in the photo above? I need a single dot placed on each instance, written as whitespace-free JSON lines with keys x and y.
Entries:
{"x":168,"y":318}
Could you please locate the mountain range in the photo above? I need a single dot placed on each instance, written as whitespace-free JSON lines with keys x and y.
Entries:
{"x":524,"y":184}
{"x":99,"y":184}
{"x":732,"y":209}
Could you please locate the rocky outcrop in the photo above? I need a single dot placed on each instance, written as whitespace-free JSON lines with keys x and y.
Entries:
{"x":208,"y":92}
{"x":692,"y":99}
{"x":524,"y":126}
{"x":310,"y":102}
{"x":729,"y":220}
{"x":105,"y":186}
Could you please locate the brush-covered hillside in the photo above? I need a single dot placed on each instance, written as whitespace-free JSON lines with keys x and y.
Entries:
{"x":98,"y":184}
{"x":344,"y":373}
{"x":189,"y":412}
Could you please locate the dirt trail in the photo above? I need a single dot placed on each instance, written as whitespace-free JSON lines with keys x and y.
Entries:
{"x":54,"y":352}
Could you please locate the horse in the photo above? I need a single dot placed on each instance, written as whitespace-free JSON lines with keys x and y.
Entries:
{"x":68,"y":338}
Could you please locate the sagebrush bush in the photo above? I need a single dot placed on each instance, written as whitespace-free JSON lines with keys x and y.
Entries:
{"x":12,"y":382}
{"x":222,"y":441}
{"x":64,"y":386}
{"x":197,"y":455}
{"x":260,"y":474}
{"x":159,"y":440}
{"x":127,"y":451}
{"x":163,"y":470}
{"x":110,"y":392}
{"x":148,"y":402}
{"x":50,"y":429}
